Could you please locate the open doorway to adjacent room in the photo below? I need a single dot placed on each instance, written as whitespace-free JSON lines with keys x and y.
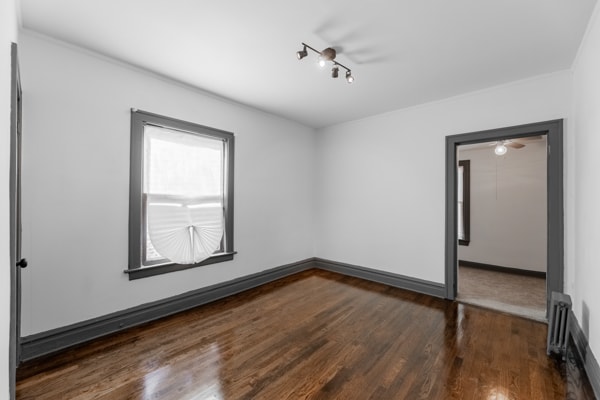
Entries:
{"x":502,"y":225}
{"x":504,"y":217}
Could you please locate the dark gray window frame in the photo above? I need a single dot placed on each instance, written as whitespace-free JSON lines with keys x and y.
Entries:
{"x":139,"y":119}
{"x":555,"y":244}
{"x":466,"y":164}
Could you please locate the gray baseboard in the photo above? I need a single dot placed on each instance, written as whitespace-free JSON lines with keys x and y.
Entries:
{"x":590,"y":363}
{"x":395,"y":280}
{"x":54,"y":340}
{"x":48,"y":342}
{"x":499,"y":268}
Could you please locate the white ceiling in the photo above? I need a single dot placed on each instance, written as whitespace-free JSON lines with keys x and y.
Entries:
{"x":402,"y":52}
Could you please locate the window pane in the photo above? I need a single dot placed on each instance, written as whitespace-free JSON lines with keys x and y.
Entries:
{"x":183,"y":183}
{"x":151,"y":254}
{"x":182,"y":164}
{"x":461,"y":222}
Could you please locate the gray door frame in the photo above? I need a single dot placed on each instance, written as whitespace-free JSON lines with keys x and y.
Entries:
{"x":15,"y":220}
{"x":555,"y":246}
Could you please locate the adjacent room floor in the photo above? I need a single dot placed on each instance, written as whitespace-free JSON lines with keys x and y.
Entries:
{"x":315,"y":335}
{"x":513,"y":293}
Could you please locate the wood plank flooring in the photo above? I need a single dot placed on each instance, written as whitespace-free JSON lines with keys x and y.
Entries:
{"x":315,"y":335}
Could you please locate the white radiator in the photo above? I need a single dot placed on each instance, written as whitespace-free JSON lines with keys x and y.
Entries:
{"x":558,"y":324}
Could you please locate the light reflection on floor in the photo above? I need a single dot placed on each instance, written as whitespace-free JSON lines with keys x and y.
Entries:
{"x":497,"y":394}
{"x":210,"y":389}
{"x":153,"y":380}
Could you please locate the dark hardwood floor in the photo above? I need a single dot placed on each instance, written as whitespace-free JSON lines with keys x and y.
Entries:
{"x":315,"y":335}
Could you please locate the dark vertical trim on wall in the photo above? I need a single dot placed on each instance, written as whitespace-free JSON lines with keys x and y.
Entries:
{"x":230,"y":157}
{"x":135,"y":182}
{"x":14,"y":346}
{"x":451,"y":221}
{"x":555,"y":245}
{"x":555,"y":251}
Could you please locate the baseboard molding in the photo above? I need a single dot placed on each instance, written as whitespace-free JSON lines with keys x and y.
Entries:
{"x":395,"y":280}
{"x":590,"y":363}
{"x":44,"y":343}
{"x":499,"y":268}
{"x":52,"y":341}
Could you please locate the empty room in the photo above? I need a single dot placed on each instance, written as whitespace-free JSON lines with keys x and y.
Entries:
{"x":307,"y":200}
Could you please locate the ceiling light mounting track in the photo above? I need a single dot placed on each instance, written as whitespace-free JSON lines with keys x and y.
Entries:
{"x":325,"y":56}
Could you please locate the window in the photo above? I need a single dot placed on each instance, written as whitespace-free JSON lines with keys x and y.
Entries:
{"x":463,"y":199}
{"x":181,"y":195}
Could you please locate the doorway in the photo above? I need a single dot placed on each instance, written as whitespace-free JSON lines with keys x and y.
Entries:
{"x":555,"y":241}
{"x":502,"y":224}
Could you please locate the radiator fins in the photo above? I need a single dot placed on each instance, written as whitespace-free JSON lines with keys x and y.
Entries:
{"x":558,"y":324}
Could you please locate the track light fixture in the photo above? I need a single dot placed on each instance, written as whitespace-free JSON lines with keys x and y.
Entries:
{"x":302,"y":53}
{"x":334,"y":72}
{"x":349,"y":77}
{"x":327,"y":55}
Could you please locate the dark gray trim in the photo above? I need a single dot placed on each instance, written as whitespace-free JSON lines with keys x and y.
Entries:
{"x":137,"y":239}
{"x":136,"y":160}
{"x":499,"y":268}
{"x":229,"y":192}
{"x":395,"y":280}
{"x":555,"y":248}
{"x":44,"y":343}
{"x":15,"y":219}
{"x":451,"y":251}
{"x":48,"y":342}
{"x":555,"y":186}
{"x":590,"y":363}
{"x":146,"y":272}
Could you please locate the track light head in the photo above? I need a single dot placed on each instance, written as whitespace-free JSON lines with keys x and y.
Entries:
{"x":349,"y":77}
{"x":302,"y":53}
{"x":334,"y":72}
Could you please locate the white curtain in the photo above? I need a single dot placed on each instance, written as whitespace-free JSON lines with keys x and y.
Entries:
{"x":183,"y":183}
{"x":185,"y":234}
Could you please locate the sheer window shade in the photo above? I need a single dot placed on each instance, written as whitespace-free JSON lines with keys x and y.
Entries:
{"x":183,"y":187}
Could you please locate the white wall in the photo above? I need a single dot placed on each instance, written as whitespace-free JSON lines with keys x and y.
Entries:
{"x":583,"y":251}
{"x":380,"y":188}
{"x":8,"y":34}
{"x":508,"y":207}
{"x":76,"y":182}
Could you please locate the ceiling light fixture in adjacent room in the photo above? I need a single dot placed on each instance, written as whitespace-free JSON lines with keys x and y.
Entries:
{"x":325,"y":56}
{"x":500,"y":149}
